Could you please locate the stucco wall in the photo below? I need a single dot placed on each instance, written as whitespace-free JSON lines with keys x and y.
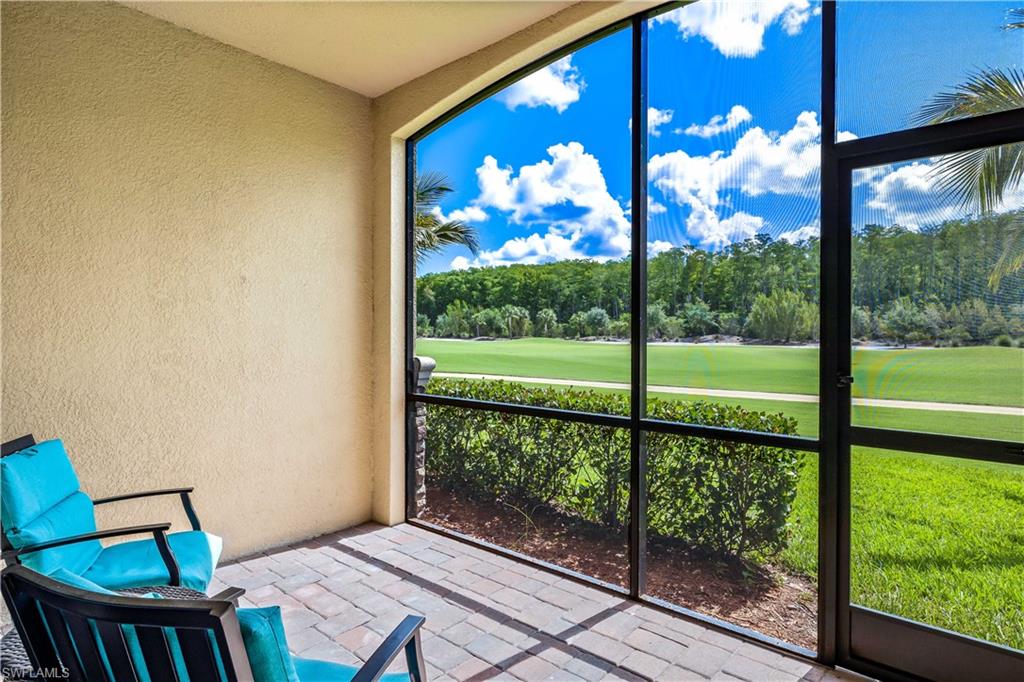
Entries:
{"x":186,"y":271}
{"x":397,"y":115}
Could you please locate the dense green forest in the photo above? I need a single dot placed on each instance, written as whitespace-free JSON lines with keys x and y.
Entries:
{"x":908,"y":286}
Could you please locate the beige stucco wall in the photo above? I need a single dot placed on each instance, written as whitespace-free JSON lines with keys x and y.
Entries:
{"x":186,"y":271}
{"x":397,"y":115}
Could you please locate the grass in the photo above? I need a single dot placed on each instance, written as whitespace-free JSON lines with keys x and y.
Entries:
{"x":933,"y":539}
{"x":984,"y":375}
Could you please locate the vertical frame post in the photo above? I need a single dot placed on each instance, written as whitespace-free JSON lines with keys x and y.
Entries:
{"x":638,"y":319}
{"x":410,"y":328}
{"x":831,"y":417}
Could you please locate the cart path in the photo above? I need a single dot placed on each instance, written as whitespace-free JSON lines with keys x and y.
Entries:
{"x":754,"y":395}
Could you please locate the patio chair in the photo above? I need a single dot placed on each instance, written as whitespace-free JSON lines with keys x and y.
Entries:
{"x":48,"y":523}
{"x":94,"y":634}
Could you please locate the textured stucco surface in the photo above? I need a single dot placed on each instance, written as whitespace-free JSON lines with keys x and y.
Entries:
{"x":397,"y":115}
{"x":186,"y":271}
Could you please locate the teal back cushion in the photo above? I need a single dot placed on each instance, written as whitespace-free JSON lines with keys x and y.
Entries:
{"x":71,"y":516}
{"x":34,"y":479}
{"x":40,"y":500}
{"x":266,"y":645}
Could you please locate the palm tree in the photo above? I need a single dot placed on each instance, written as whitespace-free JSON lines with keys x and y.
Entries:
{"x":431,"y":232}
{"x":979,"y":179}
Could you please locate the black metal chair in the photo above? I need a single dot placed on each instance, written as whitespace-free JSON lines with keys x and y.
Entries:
{"x":71,"y":633}
{"x":186,"y":558}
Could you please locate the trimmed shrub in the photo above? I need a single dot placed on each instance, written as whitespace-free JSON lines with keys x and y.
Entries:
{"x":1003,"y":340}
{"x":721,"y":499}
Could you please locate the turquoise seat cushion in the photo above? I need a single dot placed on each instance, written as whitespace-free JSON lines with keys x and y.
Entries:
{"x":138,"y":563}
{"x":312,"y":670}
{"x":266,"y":645}
{"x":71,"y":516}
{"x":33,"y":480}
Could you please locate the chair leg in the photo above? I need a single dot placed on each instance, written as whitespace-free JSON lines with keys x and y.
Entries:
{"x":170,"y":562}
{"x":414,"y":659}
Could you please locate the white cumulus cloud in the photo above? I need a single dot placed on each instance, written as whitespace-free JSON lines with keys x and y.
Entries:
{"x":566,"y":195}
{"x":654,"y":207}
{"x":908,"y":195}
{"x":556,"y":85}
{"x":801,"y":234}
{"x":657,"y":246}
{"x":718,"y":124}
{"x":760,"y":163}
{"x":469,"y":214}
{"x":655,"y":119}
{"x":736,"y":28}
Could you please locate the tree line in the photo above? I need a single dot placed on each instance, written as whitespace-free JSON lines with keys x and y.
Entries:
{"x":927,"y":285}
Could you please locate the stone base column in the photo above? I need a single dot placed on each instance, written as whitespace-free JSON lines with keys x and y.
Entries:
{"x":424,"y":367}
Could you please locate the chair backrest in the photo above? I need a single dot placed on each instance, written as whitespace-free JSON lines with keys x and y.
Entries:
{"x":94,"y":636}
{"x":41,"y":500}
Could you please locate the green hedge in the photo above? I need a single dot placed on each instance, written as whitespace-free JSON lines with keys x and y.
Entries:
{"x":723,"y":499}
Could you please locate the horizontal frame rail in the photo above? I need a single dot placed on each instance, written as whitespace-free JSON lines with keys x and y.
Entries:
{"x":963,"y":447}
{"x":990,"y":130}
{"x":778,"y":440}
{"x":926,"y":651}
{"x":616,"y":421}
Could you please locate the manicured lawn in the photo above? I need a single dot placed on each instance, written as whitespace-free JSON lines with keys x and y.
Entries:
{"x":980,"y":375}
{"x":933,"y":539}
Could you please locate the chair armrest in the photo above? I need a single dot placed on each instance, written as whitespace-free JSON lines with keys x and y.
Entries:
{"x":158,"y":530}
{"x":231,"y":594}
{"x":147,"y":493}
{"x":405,"y":636}
{"x":186,"y":501}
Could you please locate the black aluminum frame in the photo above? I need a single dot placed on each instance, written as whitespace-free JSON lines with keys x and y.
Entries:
{"x":878,"y":643}
{"x":836,"y":434}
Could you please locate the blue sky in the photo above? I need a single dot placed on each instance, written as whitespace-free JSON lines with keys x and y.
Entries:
{"x":542,"y":169}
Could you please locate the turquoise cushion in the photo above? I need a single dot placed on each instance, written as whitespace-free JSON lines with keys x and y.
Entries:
{"x":266,"y":645}
{"x":34,"y":480}
{"x":71,"y":516}
{"x":68,"y":578}
{"x":311,"y":670}
{"x":138,"y":563}
{"x":131,"y":638}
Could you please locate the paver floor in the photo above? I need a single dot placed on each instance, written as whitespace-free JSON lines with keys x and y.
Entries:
{"x":487,"y":617}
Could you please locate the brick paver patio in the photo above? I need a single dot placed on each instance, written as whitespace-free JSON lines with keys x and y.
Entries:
{"x":488,"y":617}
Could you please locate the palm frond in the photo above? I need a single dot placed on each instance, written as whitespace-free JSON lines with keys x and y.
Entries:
{"x":1014,"y":19}
{"x":430,"y":188}
{"x":456,"y":233}
{"x":432,"y":232}
{"x":1011,"y":257}
{"x":984,"y":92}
{"x":979,"y":179}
